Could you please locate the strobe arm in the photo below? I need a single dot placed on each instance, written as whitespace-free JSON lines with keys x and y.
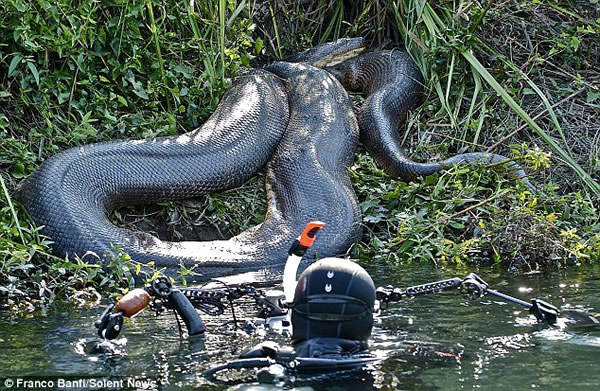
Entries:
{"x":472,"y":287}
{"x":185,"y":301}
{"x":390,"y":294}
{"x":109,"y":324}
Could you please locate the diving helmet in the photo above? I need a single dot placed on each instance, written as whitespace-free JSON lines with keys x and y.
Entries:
{"x":334,"y":298}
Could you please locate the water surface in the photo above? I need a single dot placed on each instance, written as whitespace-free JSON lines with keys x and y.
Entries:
{"x":437,"y":342}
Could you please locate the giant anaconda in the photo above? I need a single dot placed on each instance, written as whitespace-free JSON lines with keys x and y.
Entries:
{"x":294,"y":117}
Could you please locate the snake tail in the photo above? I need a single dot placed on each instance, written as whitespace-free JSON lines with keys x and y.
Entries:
{"x":393,"y":86}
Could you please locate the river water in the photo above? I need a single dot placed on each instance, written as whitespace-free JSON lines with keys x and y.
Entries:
{"x":436,"y":342}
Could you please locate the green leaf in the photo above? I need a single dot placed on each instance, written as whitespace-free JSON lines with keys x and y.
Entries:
{"x":14,"y":63}
{"x":186,"y":70}
{"x":3,"y":121}
{"x":63,"y":97}
{"x":245,"y":59}
{"x":373,"y":219}
{"x":528,"y":91}
{"x":86,"y":117}
{"x":141,"y":92}
{"x":456,"y":225}
{"x":34,"y":72}
{"x":592,"y":96}
{"x":4,"y":94}
{"x":258,"y":45}
{"x":21,"y":6}
{"x":111,"y":118}
{"x":18,"y":171}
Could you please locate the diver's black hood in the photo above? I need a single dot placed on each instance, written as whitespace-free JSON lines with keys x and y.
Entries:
{"x":334,"y":298}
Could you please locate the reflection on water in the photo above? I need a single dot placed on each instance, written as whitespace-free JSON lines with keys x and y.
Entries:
{"x":434,"y":342}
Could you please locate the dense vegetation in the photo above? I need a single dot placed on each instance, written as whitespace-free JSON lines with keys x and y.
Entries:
{"x":517,"y":78}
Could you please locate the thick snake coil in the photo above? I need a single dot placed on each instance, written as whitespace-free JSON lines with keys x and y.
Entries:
{"x":310,"y":144}
{"x":294,"y":117}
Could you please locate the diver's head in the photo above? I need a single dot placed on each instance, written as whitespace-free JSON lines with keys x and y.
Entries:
{"x":334,"y":298}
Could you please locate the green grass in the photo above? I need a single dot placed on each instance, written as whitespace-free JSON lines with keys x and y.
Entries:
{"x":74,"y":73}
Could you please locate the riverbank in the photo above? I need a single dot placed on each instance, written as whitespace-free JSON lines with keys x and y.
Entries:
{"x":496,"y":81}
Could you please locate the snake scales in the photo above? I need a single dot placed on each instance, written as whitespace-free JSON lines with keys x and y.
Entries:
{"x":292,"y":116}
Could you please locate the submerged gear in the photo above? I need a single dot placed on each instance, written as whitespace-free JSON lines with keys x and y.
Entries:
{"x":332,"y":348}
{"x":334,"y":298}
{"x":275,"y":363}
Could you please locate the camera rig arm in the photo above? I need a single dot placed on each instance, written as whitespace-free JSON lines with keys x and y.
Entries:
{"x":186,"y":302}
{"x":472,"y":287}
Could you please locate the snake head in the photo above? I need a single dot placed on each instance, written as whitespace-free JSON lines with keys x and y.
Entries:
{"x":330,"y":53}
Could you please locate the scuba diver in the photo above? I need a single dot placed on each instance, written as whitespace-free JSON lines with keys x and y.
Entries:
{"x":331,"y":322}
{"x":330,"y":310}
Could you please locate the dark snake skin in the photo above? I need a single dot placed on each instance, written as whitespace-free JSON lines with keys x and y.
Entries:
{"x":295,"y":118}
{"x":73,"y":193}
{"x":393,"y":85}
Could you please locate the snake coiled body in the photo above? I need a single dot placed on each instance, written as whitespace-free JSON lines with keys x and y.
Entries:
{"x":294,"y":117}
{"x":73,"y":193}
